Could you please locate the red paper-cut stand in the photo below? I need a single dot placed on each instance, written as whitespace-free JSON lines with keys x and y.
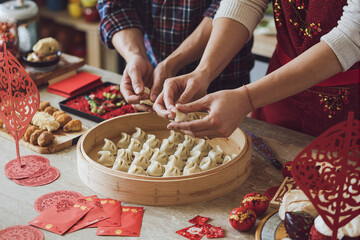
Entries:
{"x":19,"y":97}
{"x":328,"y":172}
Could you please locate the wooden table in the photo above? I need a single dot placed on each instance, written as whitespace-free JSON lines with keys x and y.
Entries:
{"x":16,"y":202}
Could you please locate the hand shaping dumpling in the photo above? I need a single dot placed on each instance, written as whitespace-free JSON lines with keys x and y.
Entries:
{"x":180,"y":116}
{"x":175,"y":137}
{"x":125,"y":154}
{"x":124,"y":141}
{"x":207,"y":163}
{"x":155,"y":169}
{"x":147,"y":151}
{"x":133,"y":169}
{"x":106,"y":158}
{"x":160,"y":157}
{"x":177,"y":162}
{"x":135,"y":145}
{"x":168,"y":147}
{"x":152,"y":141}
{"x":217,"y":154}
{"x":109,"y":146}
{"x":191,"y":168}
{"x":140,"y":135}
{"x":202,"y":146}
{"x":189,"y":142}
{"x":120,"y":165}
{"x":141,"y":160}
{"x":181,"y":152}
{"x":171,"y":171}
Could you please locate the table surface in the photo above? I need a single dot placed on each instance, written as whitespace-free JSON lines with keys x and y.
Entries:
{"x":16,"y":202}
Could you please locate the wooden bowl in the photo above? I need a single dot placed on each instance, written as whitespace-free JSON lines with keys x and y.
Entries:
{"x":162,"y":191}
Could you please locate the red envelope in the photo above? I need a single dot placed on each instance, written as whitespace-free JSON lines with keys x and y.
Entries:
{"x":131,"y":220}
{"x":61,"y":216}
{"x":113,"y":209}
{"x":213,"y":232}
{"x":96,"y":214}
{"x":193,"y":232}
{"x":199,"y":220}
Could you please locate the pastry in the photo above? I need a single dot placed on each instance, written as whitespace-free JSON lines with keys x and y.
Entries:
{"x":34,"y":136}
{"x":29,"y":131}
{"x":57,"y":113}
{"x":63,"y":119}
{"x":43,"y":105}
{"x":50,"y":110}
{"x":45,"y":121}
{"x":45,"y":139}
{"x":73,"y":126}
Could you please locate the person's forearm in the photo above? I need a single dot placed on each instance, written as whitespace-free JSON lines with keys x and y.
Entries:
{"x":313,"y":66}
{"x":192,"y":48}
{"x":129,"y":43}
{"x":226,"y":40}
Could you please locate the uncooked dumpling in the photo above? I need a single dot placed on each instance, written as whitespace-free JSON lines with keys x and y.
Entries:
{"x":125,"y":154}
{"x":177,"y":162}
{"x":168,"y":147}
{"x":176,"y":137}
{"x":202,"y":146}
{"x":124,"y":141}
{"x":227,"y":159}
{"x":171,"y":171}
{"x":180,"y":116}
{"x":109,"y":146}
{"x":139,"y":135}
{"x":159,"y":157}
{"x":141,"y":160}
{"x":181,"y":152}
{"x":152,"y":141}
{"x":135,"y":145}
{"x":147,"y":151}
{"x":121,"y":165}
{"x":207,"y":163}
{"x":217,"y":154}
{"x":106,"y":158}
{"x":189,"y":142}
{"x":196,"y":157}
{"x":191,"y":168}
{"x":155,"y":169}
{"x":133,"y":169}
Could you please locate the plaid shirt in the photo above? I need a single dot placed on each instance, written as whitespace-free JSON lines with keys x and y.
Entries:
{"x":166,"y":24}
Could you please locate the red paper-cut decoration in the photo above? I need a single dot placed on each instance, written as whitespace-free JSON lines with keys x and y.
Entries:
{"x":19,"y":97}
{"x":328,"y":171}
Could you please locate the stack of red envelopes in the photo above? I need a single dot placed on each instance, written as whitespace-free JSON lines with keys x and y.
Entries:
{"x":200,"y":229}
{"x":67,"y":211}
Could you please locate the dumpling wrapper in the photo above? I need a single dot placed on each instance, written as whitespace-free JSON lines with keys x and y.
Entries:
{"x":189,"y":142}
{"x":171,"y":171}
{"x":133,"y":169}
{"x":168,"y":147}
{"x":191,"y":168}
{"x":196,"y":157}
{"x":176,"y":137}
{"x":140,"y":135}
{"x":125,"y":154}
{"x":177,"y":162}
{"x":217,"y":154}
{"x":155,"y":169}
{"x":140,"y":160}
{"x":135,"y":145}
{"x":121,"y":165}
{"x":152,"y":141}
{"x":124,"y":141}
{"x":109,"y":146}
{"x":182,"y":152}
{"x":202,"y":146}
{"x":106,"y":158}
{"x":207,"y":163}
{"x":159,"y":156}
{"x":147,"y":151}
{"x":227,"y":159}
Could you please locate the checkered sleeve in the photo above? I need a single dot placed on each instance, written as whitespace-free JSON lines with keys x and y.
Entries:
{"x":211,"y":10}
{"x":116,"y":15}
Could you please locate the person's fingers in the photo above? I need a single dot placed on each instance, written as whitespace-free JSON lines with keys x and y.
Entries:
{"x":192,"y":126}
{"x":158,"y":77}
{"x":136,"y":79}
{"x":127,"y":90}
{"x":142,"y":107}
{"x":196,"y":106}
{"x":160,"y":109}
{"x":170,"y":89}
{"x":188,"y":94}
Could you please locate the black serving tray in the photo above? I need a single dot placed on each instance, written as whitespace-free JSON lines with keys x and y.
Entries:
{"x":81,"y":113}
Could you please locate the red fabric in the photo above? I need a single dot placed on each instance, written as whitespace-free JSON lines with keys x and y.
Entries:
{"x":304,"y":112}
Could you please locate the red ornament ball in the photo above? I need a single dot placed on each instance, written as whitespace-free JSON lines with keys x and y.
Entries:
{"x":286,"y":169}
{"x":257,"y":202}
{"x":242,"y":218}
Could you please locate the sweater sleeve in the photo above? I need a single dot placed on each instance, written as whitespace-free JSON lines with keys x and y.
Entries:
{"x":247,"y":12}
{"x":344,"y":39}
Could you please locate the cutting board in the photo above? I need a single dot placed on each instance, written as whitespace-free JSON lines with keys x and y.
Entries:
{"x":61,"y":141}
{"x":67,"y":64}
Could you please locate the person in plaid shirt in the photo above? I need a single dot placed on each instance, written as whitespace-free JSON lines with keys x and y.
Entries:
{"x":160,"y":39}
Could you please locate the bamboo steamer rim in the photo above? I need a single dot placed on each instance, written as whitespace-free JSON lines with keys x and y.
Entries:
{"x":145,"y":178}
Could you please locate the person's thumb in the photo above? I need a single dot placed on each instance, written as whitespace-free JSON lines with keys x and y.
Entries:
{"x":187,"y":95}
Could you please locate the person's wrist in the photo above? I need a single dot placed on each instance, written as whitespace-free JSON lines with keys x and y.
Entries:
{"x":245,"y":96}
{"x":171,"y":66}
{"x":205,"y":73}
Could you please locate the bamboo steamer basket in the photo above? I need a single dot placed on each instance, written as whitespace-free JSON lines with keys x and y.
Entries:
{"x":161,"y":191}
